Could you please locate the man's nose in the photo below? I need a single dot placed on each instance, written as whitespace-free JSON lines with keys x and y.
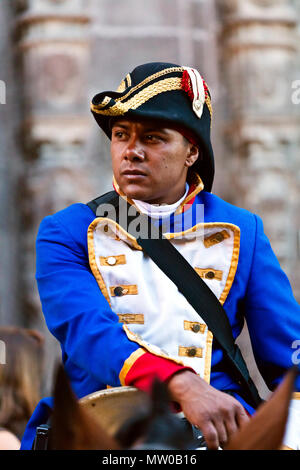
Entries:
{"x":134,"y":150}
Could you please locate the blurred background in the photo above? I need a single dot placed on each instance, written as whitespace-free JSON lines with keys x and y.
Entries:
{"x":56,"y":54}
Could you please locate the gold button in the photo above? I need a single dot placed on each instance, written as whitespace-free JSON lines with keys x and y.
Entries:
{"x":105,"y":228}
{"x":196,"y":328}
{"x":111,"y":260}
{"x":219,"y":237}
{"x":192,"y":352}
{"x":210,"y":275}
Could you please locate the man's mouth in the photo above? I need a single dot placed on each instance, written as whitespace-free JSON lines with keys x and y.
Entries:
{"x":133,"y":173}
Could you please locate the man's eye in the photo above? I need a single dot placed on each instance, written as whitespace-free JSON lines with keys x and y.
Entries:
{"x":152,"y":138}
{"x":119,"y":134}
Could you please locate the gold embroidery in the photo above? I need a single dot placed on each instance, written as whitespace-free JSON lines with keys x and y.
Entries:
{"x":196,"y":327}
{"x":122,"y":87}
{"x":150,"y":79}
{"x":137,"y":318}
{"x":140,"y":98}
{"x":128,"y":79}
{"x":123,"y":289}
{"x":208,"y":351}
{"x":129,"y":363}
{"x":210,"y":273}
{"x":104,"y":102}
{"x":192,"y":351}
{"x":141,"y":84}
{"x":209,"y":105}
{"x":215,"y":238}
{"x":92,"y":261}
{"x":233,"y":265}
{"x":195,"y":179}
{"x":113,"y":260}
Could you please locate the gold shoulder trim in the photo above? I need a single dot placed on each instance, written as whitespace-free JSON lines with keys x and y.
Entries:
{"x":120,"y":233}
{"x":92,"y":260}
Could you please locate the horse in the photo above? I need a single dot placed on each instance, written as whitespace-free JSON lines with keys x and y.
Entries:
{"x":151,"y":424}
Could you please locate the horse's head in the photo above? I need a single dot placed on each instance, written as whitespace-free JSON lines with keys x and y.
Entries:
{"x":155,"y":426}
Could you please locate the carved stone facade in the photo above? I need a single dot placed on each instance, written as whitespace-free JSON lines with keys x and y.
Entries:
{"x":56,"y":54}
{"x":260,"y":59}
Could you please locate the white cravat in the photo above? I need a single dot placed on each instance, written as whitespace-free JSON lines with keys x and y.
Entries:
{"x":156,"y":211}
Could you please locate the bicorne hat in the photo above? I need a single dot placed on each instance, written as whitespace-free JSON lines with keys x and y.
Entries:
{"x":168,"y":92}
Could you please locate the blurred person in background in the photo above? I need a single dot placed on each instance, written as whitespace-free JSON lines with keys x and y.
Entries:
{"x":20,"y":382}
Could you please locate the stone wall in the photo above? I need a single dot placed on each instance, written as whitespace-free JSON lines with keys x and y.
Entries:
{"x":56,"y":54}
{"x":260,"y":60}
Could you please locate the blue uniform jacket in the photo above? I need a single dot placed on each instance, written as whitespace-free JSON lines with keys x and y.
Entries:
{"x":95,"y":346}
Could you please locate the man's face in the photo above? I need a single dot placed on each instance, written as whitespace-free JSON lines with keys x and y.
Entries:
{"x":150,"y":161}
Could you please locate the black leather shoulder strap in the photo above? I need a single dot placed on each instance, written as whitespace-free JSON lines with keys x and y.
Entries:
{"x":198,"y":294}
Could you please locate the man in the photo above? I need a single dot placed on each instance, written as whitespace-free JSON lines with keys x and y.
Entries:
{"x":120,"y":320}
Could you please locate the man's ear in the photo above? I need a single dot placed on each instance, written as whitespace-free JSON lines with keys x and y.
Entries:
{"x":192,"y":156}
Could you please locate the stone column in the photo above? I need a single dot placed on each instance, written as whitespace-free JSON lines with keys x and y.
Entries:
{"x":258,"y":46}
{"x":10,"y":169}
{"x":53,"y":50}
{"x":259,"y":56}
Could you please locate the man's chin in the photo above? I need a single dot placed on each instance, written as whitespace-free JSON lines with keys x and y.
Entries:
{"x":136,"y":192}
